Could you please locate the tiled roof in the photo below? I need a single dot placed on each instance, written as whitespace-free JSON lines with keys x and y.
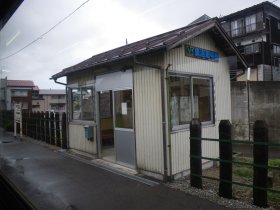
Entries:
{"x":163,"y":41}
{"x":20,"y":83}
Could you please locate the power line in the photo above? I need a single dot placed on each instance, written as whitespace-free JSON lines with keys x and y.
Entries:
{"x":42,"y":35}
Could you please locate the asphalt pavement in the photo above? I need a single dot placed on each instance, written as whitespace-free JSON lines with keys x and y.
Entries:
{"x":50,"y":179}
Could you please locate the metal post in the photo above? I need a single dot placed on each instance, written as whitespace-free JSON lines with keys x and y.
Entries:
{"x":260,"y":158}
{"x":225,"y":188}
{"x":195,"y":154}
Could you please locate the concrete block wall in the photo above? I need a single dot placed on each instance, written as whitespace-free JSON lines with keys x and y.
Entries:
{"x":264,"y":104}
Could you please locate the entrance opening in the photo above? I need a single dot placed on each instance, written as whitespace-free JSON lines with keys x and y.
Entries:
{"x":106,"y":125}
{"x":115,"y":114}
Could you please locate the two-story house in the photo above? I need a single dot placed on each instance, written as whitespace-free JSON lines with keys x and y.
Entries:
{"x":49,"y":100}
{"x":256,"y":33}
{"x":19,"y":91}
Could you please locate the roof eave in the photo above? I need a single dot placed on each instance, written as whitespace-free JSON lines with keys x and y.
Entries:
{"x":62,"y":74}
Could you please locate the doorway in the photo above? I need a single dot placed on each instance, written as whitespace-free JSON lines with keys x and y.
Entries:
{"x":106,"y":125}
{"x":115,"y":96}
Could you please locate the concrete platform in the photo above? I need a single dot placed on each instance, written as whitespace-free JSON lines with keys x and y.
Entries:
{"x":51,"y":179}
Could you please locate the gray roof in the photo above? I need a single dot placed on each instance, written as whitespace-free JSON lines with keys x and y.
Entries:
{"x":249,"y":9}
{"x":163,"y":41}
{"x":52,"y":92}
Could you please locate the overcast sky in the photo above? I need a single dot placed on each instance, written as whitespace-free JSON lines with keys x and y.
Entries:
{"x":98,"y":26}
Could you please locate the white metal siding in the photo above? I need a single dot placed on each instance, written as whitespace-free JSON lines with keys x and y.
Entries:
{"x":222,"y":105}
{"x":78,"y":141}
{"x":148,"y":118}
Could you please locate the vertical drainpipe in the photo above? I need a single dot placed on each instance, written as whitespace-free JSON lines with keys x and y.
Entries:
{"x":66,"y":108}
{"x":162,"y":91}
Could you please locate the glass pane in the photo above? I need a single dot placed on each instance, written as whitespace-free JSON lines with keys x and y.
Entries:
{"x":87,"y":104}
{"x":180,"y":100}
{"x":123,"y":109}
{"x":76,"y":104}
{"x":202,"y":99}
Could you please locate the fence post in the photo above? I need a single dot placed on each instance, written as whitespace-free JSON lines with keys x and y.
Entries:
{"x":225,"y":148}
{"x":52,"y":133}
{"x":43,"y":114}
{"x":195,"y":153}
{"x":57,"y":129}
{"x":64,"y":136}
{"x":47,"y":127}
{"x":30,"y":128}
{"x":260,"y":158}
{"x":37,"y":123}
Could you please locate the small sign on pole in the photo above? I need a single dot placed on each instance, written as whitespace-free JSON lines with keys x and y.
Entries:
{"x":18,"y":119}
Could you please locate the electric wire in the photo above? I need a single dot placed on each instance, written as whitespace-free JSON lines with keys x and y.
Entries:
{"x":45,"y":33}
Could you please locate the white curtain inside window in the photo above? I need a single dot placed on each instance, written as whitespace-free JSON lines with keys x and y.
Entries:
{"x":250,"y":23}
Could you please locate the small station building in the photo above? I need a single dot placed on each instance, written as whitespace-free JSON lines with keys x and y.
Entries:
{"x":132,"y":105}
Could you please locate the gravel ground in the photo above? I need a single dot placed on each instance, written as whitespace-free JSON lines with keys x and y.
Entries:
{"x":210,"y":192}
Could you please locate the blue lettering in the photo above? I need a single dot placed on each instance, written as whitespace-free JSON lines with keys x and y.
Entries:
{"x":196,"y":52}
{"x":202,"y":53}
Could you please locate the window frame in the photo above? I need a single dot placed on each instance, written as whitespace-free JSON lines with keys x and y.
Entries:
{"x":70,"y":88}
{"x":211,"y":94}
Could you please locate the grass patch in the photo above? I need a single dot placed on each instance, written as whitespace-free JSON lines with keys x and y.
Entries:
{"x":247,"y":173}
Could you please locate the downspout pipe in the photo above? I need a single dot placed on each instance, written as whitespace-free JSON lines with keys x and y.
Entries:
{"x":166,"y":178}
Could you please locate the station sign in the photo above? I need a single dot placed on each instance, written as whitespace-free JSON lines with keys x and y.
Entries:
{"x":200,"y":53}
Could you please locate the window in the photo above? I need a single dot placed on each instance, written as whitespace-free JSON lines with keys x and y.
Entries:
{"x":87,"y":103}
{"x":83,"y":103}
{"x":226,"y":27}
{"x":190,"y":97}
{"x":250,"y":49}
{"x":250,"y":23}
{"x":123,"y":109}
{"x":57,"y":97}
{"x":19,"y":93}
{"x":202,"y":99}
{"x":237,"y":27}
{"x":276,"y":50}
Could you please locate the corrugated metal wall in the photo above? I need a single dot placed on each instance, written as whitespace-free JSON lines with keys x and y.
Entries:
{"x":148,"y":117}
{"x":221,"y":79}
{"x":78,"y":140}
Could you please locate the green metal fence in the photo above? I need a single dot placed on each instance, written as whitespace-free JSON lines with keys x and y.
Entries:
{"x":259,"y":165}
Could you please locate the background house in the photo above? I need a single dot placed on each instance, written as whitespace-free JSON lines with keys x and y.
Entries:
{"x":19,"y":91}
{"x":49,"y":100}
{"x":256,"y":33}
